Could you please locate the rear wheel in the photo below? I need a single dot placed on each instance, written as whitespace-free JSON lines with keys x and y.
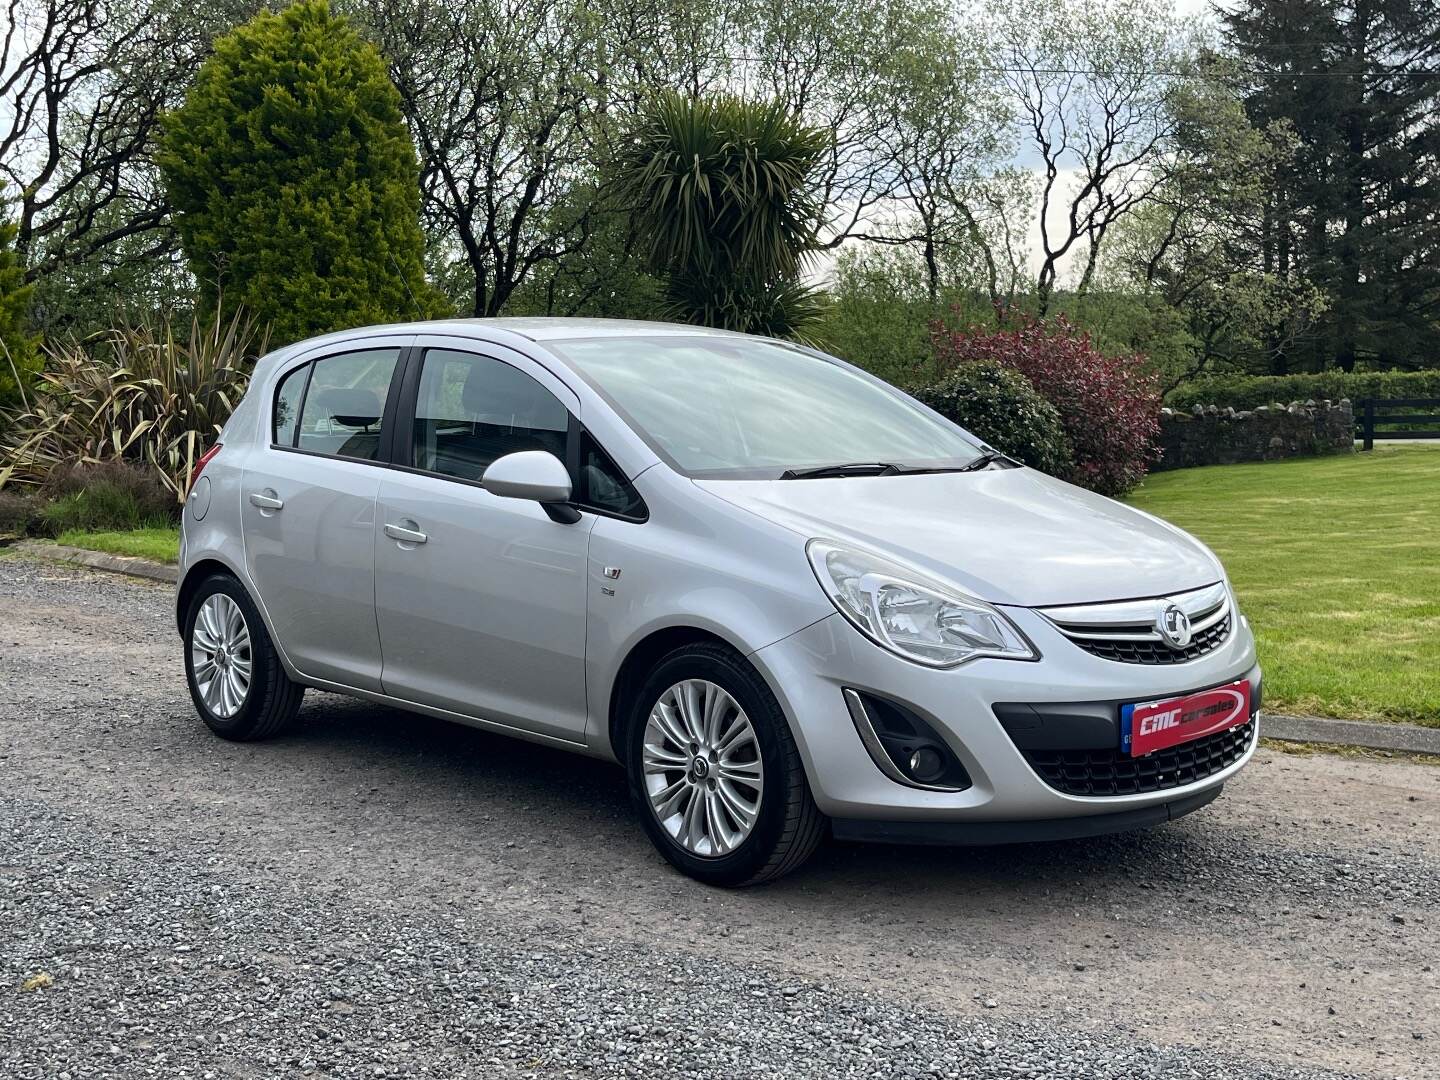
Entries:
{"x":715,"y":772}
{"x":237,"y":682}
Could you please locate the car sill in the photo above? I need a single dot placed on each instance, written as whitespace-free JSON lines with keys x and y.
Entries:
{"x":438,"y":713}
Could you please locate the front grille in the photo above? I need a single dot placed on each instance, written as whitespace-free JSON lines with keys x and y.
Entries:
{"x":1129,"y":631}
{"x":1156,"y":652}
{"x":1112,"y":772}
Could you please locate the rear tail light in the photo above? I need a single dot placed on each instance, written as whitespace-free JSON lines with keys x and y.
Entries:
{"x":204,"y":460}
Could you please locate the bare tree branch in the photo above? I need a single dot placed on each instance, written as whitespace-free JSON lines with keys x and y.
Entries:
{"x":83,"y":84}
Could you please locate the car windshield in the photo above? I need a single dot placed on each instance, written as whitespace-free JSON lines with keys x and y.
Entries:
{"x":741,"y":408}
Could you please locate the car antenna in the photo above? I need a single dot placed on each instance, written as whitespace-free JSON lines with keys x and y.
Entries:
{"x":419,"y":315}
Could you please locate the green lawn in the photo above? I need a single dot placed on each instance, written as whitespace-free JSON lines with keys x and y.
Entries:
{"x":1337,"y":564}
{"x":162,"y":545}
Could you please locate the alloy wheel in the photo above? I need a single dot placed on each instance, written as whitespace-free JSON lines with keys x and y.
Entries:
{"x":703,"y":769}
{"x":220,"y":655}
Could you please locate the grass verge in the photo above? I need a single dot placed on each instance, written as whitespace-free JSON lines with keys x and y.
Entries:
{"x":1336,"y":562}
{"x":158,"y":544}
{"x":1365,"y":753}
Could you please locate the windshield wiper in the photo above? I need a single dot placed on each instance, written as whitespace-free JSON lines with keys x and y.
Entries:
{"x":985,"y":460}
{"x":888,"y":468}
{"x":854,"y":468}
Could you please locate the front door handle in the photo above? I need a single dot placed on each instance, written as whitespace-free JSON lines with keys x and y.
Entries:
{"x":406,"y":533}
{"x":267,"y":500}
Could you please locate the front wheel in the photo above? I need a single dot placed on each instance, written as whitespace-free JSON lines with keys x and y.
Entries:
{"x":715,"y":772}
{"x":237,"y":682}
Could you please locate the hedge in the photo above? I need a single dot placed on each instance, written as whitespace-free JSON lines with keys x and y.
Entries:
{"x":1109,"y":405}
{"x":1252,"y":391}
{"x":1001,"y":407}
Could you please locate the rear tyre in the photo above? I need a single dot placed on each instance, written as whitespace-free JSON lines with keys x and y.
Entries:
{"x":237,"y":682}
{"x":715,"y":772}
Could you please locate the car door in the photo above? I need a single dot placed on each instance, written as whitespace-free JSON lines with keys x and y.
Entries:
{"x":480,"y":599}
{"x":308,"y":508}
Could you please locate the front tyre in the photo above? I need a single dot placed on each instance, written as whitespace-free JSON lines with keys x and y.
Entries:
{"x":715,"y":772}
{"x":237,"y":682}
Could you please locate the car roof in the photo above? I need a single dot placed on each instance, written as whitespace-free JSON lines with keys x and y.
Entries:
{"x":532,"y":328}
{"x":496,"y":331}
{"x":539,"y":328}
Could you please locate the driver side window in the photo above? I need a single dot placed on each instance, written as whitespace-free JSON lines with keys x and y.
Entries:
{"x":471,"y":410}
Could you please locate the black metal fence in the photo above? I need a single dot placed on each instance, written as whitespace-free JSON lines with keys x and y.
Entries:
{"x":1379,"y":417}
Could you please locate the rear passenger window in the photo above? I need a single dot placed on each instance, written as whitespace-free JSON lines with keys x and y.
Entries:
{"x":345,"y":401}
{"x":471,"y":410}
{"x":288,"y":396}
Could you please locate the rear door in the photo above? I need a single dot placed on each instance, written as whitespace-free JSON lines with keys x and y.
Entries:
{"x":308,"y":507}
{"x":481,"y":600}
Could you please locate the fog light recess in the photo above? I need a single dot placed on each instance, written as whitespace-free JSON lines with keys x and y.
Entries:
{"x":903,"y":746}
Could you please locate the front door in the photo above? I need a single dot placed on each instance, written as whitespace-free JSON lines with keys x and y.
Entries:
{"x":308,"y":512}
{"x":480,"y":599}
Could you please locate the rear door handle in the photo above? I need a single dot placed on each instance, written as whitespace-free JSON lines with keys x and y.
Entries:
{"x":267,"y":500}
{"x":406,"y":534}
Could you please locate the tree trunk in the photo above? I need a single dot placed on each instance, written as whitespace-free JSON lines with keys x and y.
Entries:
{"x":932,"y":268}
{"x":1277,"y":226}
{"x":1045,"y":289}
{"x":1347,"y":317}
{"x":482,"y":294}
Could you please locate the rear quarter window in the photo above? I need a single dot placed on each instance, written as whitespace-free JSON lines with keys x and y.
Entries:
{"x":288,"y":396}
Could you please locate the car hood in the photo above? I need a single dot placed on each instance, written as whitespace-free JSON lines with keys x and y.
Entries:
{"x":1009,"y":536}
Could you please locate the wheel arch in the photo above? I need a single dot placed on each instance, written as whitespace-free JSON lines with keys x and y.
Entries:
{"x":194,"y":575}
{"x":641,"y":659}
{"x":209,"y":565}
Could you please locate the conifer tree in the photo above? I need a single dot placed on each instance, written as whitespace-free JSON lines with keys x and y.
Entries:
{"x":1358,"y":208}
{"x":294,"y":179}
{"x":18,"y":356}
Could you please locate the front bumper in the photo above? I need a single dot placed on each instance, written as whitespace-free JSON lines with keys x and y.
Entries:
{"x":981,"y":833}
{"x":810,"y":670}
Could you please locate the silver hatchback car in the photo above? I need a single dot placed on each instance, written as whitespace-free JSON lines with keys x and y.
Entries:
{"x":786,"y":597}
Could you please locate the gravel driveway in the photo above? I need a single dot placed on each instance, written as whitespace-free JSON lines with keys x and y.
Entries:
{"x":379,"y":894}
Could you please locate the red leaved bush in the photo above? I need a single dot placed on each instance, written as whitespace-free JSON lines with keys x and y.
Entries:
{"x":1109,"y":405}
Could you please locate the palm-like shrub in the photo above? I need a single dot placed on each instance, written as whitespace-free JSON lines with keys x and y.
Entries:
{"x":136,"y":393}
{"x":723,"y":201}
{"x":782,"y":309}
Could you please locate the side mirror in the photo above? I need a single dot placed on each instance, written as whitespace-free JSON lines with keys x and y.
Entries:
{"x":535,"y":475}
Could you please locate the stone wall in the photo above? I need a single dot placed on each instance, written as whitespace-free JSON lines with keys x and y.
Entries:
{"x":1208,"y":435}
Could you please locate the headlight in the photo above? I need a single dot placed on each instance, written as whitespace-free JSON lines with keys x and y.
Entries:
{"x":911,"y":614}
